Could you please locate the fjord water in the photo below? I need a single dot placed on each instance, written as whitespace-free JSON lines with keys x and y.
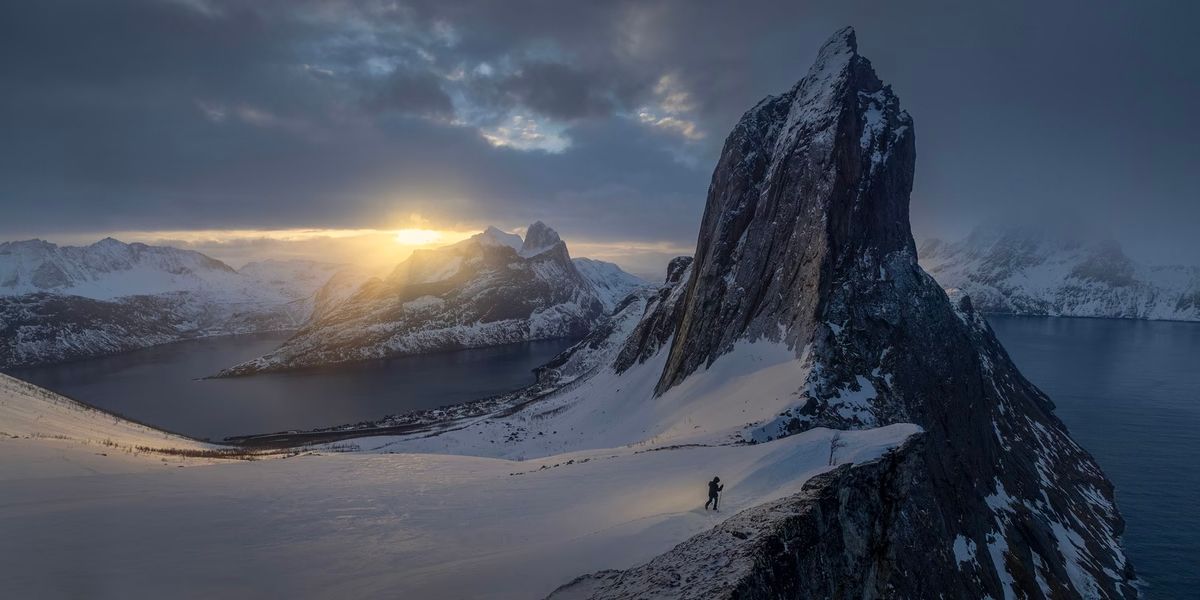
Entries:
{"x":161,"y":386}
{"x":1129,"y":391}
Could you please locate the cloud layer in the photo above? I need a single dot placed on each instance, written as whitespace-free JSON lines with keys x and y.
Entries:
{"x":603,"y":118}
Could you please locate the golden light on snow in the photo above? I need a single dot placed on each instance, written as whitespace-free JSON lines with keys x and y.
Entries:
{"x":418,"y":237}
{"x":374,"y":249}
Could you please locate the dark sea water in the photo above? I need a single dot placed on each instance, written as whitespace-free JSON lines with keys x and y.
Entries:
{"x":159,"y":386}
{"x":1129,"y":391}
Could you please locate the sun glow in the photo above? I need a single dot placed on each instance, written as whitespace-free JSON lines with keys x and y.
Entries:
{"x":418,"y":237}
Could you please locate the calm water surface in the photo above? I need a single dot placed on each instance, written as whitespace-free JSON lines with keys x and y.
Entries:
{"x":159,"y":386}
{"x":1129,"y":391}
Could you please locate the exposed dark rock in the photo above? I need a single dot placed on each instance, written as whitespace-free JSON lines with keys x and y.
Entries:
{"x":862,"y":531}
{"x":805,"y":240}
{"x":662,"y":314}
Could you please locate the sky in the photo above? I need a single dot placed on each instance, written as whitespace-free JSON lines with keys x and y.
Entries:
{"x":318,"y":129}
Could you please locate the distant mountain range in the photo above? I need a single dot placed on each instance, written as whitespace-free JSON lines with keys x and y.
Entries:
{"x":1037,"y":271}
{"x":61,"y":303}
{"x":493,"y":288}
{"x":64,"y":302}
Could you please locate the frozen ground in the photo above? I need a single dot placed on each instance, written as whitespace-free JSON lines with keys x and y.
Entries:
{"x":83,"y":518}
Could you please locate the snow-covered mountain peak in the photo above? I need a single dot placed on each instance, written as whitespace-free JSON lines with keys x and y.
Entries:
{"x":610,"y":282}
{"x":539,"y":238}
{"x":493,"y":236}
{"x":836,"y":53}
{"x":841,"y":150}
{"x":79,"y":301}
{"x":806,"y":277}
{"x":1042,"y":270}
{"x":106,"y":269}
{"x":110,"y":243}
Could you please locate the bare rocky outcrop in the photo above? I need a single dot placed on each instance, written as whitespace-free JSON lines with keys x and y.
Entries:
{"x":849,"y":533}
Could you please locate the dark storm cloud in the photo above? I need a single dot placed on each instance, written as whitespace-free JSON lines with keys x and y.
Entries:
{"x":603,"y":117}
{"x":408,"y":93}
{"x":558,"y":91}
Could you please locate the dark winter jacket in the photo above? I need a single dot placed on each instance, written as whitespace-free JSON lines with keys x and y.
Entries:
{"x":713,"y":488}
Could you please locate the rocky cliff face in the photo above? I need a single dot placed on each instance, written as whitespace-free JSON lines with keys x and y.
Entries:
{"x":805,"y":240}
{"x":491,"y":289}
{"x":1039,"y":271}
{"x":850,"y":533}
{"x":808,"y":185}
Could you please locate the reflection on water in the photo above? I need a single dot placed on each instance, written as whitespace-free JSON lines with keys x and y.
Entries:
{"x":1129,"y":391}
{"x":160,"y":386}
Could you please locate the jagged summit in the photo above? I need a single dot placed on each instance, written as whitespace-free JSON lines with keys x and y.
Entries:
{"x":832,"y":190}
{"x":490,"y":289}
{"x":539,"y":238}
{"x":493,"y":236}
{"x":805,"y":247}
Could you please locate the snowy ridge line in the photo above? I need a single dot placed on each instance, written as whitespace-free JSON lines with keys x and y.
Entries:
{"x":490,"y":289}
{"x":748,"y":555}
{"x":1039,"y":271}
{"x":31,"y":413}
{"x":65,"y":303}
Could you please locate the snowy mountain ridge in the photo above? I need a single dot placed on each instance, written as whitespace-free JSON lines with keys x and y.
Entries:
{"x":1035,"y":271}
{"x":490,"y":289}
{"x":64,"y":302}
{"x":110,"y":269}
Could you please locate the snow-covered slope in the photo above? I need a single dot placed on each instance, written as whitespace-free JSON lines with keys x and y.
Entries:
{"x":1035,"y":271}
{"x":43,"y":434}
{"x":109,"y":269}
{"x":60,"y":303}
{"x":611,"y":283}
{"x":493,"y":288}
{"x":367,"y":525}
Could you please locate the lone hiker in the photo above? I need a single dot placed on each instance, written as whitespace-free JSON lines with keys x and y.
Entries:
{"x":714,"y":493}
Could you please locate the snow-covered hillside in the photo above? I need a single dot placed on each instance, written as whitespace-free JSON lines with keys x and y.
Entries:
{"x":363,"y":524}
{"x":493,"y":288}
{"x":611,"y":284}
{"x":64,"y":302}
{"x":1035,"y":271}
{"x":43,"y":434}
